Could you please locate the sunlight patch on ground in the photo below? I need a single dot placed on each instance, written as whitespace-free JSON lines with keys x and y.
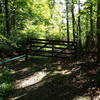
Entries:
{"x":66,"y":72}
{"x":62,"y":72}
{"x":18,"y":97}
{"x":97,"y":97}
{"x":82,"y":98}
{"x":31,"y":80}
{"x":87,"y":98}
{"x":24,"y":69}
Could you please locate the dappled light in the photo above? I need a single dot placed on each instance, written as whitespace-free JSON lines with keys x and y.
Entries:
{"x":49,"y":49}
{"x":55,"y":79}
{"x":31,"y":80}
{"x":81,"y":98}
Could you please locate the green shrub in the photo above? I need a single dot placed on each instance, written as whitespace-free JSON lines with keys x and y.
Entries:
{"x":5,"y":83}
{"x":5,"y":89}
{"x":1,"y":98}
{"x":6,"y":76}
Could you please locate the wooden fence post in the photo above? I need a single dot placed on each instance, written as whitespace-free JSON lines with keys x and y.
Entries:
{"x":76,"y":51}
{"x":26,"y":57}
{"x":52,"y":49}
{"x":27,"y":49}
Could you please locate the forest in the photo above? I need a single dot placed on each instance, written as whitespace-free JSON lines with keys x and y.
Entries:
{"x":49,"y":49}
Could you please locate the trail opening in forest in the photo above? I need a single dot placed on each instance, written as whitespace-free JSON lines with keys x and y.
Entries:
{"x":49,"y":49}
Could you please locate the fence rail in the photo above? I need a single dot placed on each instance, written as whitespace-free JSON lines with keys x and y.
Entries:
{"x":51,"y":48}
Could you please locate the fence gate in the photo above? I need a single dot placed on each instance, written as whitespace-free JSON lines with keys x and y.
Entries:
{"x":52,"y":48}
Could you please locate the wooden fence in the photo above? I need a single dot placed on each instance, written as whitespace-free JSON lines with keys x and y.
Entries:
{"x":51,"y":48}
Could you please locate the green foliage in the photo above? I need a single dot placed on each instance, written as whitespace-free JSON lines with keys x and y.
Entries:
{"x":1,"y":98}
{"x":6,"y":75}
{"x":5,"y":89}
{"x":5,"y":83}
{"x":45,"y":19}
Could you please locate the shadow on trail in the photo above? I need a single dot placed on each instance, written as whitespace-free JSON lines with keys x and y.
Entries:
{"x":63,"y":81}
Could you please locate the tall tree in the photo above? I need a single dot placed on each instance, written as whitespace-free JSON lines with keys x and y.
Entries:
{"x":73,"y":20}
{"x":7,"y":18}
{"x":67,"y":19}
{"x":91,"y":19}
{"x":0,"y":8}
{"x":79,"y":24}
{"x":87,"y":32}
{"x":98,"y":31}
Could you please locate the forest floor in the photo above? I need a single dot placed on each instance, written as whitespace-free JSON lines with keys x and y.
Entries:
{"x":56,"y":79}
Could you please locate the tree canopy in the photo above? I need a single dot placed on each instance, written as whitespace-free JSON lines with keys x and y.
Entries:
{"x":70,"y":20}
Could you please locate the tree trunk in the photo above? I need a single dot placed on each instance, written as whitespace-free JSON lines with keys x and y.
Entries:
{"x":67,"y":20}
{"x":73,"y":20}
{"x":13,"y":18}
{"x":79,"y":25}
{"x":87,"y":34}
{"x":91,"y":20}
{"x":98,"y":31}
{"x":7,"y":18}
{"x":91,"y":40}
{"x":0,"y":8}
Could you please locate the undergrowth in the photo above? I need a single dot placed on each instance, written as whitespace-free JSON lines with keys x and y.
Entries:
{"x":6,"y":79}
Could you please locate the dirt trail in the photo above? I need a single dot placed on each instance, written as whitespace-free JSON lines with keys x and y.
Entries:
{"x":56,"y":81}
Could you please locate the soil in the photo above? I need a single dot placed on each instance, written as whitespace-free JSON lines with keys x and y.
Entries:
{"x":56,"y":79}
